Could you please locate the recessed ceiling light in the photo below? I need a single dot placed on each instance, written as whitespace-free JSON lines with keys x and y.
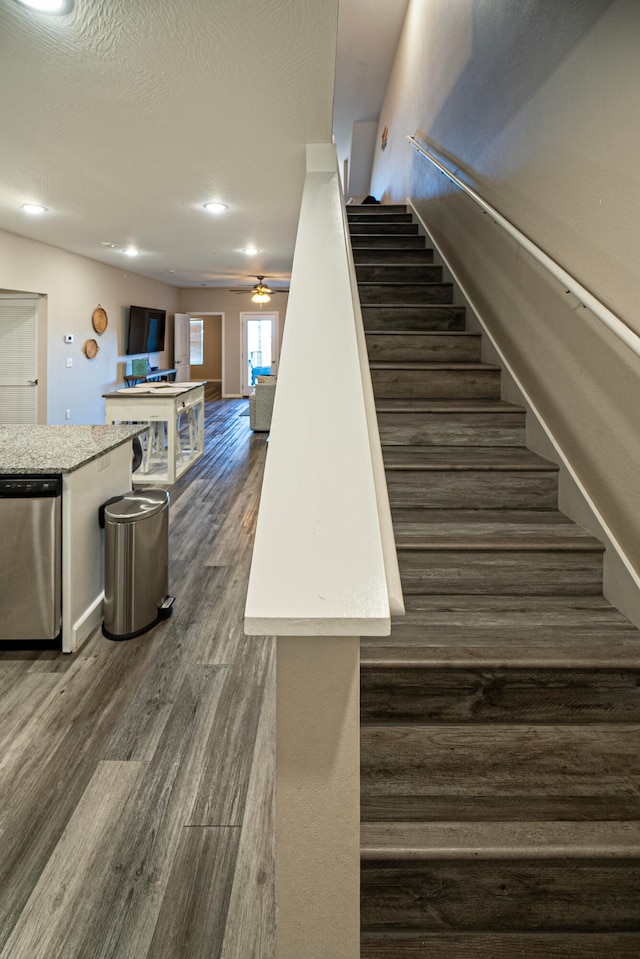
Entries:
{"x":33,"y":208}
{"x":215,"y":207}
{"x":131,"y":251}
{"x":48,"y":6}
{"x":111,"y":246}
{"x":250,"y":250}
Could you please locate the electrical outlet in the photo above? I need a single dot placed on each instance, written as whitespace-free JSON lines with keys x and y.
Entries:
{"x":69,"y":361}
{"x":67,"y":414}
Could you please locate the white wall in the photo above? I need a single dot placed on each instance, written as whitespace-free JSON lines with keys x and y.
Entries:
{"x":218,"y":300}
{"x":363,"y":141}
{"x":73,"y":287}
{"x":534,"y":105}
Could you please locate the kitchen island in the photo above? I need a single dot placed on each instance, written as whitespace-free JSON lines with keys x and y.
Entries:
{"x":94,"y":463}
{"x":161,"y":405}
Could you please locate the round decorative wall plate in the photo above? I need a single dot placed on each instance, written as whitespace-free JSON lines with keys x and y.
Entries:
{"x":91,"y":349}
{"x":99,"y":320}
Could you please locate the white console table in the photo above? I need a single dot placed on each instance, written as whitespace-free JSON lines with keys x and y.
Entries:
{"x":166,"y":454}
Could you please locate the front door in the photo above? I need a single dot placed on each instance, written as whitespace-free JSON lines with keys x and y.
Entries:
{"x":259,"y":347}
{"x":18,"y":359}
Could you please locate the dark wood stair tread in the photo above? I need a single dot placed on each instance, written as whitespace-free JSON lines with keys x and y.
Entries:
{"x":430,"y":334}
{"x":356,"y":208}
{"x":446,"y":406}
{"x":575,"y":654}
{"x":465,"y":458}
{"x":581,"y":631}
{"x":413,"y":944}
{"x":401,"y":283}
{"x":497,"y":840}
{"x":426,"y":366}
{"x":492,"y":530}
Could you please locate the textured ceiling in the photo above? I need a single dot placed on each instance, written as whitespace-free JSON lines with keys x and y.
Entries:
{"x":124,"y":117}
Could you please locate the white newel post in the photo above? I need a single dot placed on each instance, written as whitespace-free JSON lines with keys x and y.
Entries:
{"x":317,"y":797}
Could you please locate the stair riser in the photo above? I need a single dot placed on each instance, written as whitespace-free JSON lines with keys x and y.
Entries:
{"x":401,"y":293}
{"x":523,"y":763}
{"x":493,"y":572}
{"x":380,"y":216}
{"x":471,"y":489}
{"x":381,"y":226}
{"x":399,"y":273}
{"x":436,"y":384}
{"x":413,"y":318}
{"x":451,"y":429}
{"x":485,"y":695}
{"x":394,"y":809}
{"x":430,"y":349}
{"x":388,"y":241}
{"x":492,"y":945}
{"x":510,"y":895}
{"x":354,"y":210}
{"x":364,"y":255}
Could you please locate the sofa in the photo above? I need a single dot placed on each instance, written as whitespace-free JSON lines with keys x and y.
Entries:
{"x":261,"y":403}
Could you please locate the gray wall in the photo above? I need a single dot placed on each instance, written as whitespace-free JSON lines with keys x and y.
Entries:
{"x":71,"y":287}
{"x":210,"y":299}
{"x":534,"y":104}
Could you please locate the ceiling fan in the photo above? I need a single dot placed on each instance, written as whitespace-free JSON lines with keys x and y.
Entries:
{"x":261,"y":291}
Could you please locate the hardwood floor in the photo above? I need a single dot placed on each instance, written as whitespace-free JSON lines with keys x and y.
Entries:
{"x":136,"y":778}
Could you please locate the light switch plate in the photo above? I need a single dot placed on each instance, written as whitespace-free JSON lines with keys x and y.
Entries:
{"x":69,"y":361}
{"x":68,"y":337}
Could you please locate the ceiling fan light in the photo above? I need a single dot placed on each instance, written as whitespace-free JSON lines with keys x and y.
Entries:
{"x":260,"y":298}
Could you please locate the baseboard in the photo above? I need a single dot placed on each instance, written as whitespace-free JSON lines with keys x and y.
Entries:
{"x":84,"y":626}
{"x":621,"y":583}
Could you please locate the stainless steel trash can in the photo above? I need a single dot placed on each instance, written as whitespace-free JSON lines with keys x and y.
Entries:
{"x":136,"y":562}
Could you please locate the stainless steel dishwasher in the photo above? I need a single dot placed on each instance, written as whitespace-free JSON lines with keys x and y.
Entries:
{"x":30,"y":557}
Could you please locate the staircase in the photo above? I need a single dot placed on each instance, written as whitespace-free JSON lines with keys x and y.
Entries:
{"x":501,"y":719}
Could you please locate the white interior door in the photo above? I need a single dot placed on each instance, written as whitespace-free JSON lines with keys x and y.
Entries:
{"x":18,"y":360}
{"x":259,"y":347}
{"x":181,"y":355}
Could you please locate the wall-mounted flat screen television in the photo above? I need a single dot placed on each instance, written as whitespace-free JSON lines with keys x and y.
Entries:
{"x":146,"y":330}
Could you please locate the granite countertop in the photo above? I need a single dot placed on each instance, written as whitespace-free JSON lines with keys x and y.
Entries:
{"x":58,"y":449}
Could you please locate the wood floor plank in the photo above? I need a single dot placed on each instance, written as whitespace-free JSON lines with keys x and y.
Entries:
{"x":228,"y":755}
{"x":193,"y":913}
{"x":53,"y":922}
{"x":250,"y":926}
{"x":129,"y":899}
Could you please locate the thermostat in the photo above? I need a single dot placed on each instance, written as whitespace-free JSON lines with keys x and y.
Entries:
{"x":68,"y":337}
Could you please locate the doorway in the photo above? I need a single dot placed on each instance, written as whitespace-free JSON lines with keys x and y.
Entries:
{"x":259,"y":347}
{"x":19,"y":359}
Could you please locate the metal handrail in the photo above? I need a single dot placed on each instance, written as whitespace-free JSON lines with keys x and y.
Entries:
{"x":617,"y":326}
